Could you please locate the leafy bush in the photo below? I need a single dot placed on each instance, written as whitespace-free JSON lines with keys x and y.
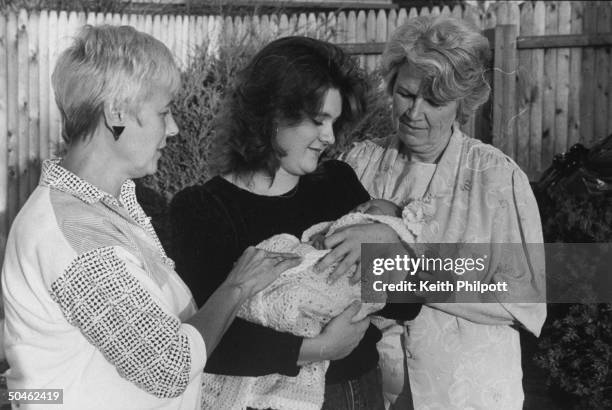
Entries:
{"x":184,"y":161}
{"x":576,"y":351}
{"x":100,"y":6}
{"x":575,"y":348}
{"x":568,"y":217}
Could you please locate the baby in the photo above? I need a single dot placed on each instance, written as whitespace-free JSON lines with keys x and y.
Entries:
{"x":379,"y":207}
{"x":371,"y":207}
{"x":300,"y":302}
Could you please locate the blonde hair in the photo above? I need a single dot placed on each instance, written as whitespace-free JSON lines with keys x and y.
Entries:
{"x":109,"y":64}
{"x":453,"y":55}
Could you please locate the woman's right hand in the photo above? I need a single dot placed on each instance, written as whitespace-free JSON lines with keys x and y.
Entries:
{"x":257,"y":268}
{"x":338,"y":339}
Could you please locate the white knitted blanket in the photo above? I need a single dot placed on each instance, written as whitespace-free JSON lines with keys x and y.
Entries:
{"x":299,"y":302}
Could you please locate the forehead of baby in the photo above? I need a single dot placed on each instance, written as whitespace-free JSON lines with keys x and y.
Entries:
{"x":374,"y":209}
{"x":381,"y":207}
{"x":347,"y":220}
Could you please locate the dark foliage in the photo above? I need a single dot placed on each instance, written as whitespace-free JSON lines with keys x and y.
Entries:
{"x":575,"y":348}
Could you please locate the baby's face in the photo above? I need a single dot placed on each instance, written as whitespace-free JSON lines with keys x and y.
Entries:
{"x":382,"y":207}
{"x":375,"y":210}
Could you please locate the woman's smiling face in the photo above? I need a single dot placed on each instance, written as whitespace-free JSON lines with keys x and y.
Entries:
{"x":423,"y":127}
{"x":304,"y":143}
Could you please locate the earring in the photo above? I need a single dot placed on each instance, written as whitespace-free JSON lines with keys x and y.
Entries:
{"x":117,"y":130}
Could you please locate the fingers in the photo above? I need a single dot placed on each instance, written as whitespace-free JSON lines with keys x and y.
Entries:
{"x":332,"y":257}
{"x":352,"y":309}
{"x":287,"y":263}
{"x":344,"y":266}
{"x":279,"y":263}
{"x":344,"y":246}
{"x":337,"y":237}
{"x":356,"y":277}
{"x":362,"y":325}
{"x":257,"y":268}
{"x":249,"y":255}
{"x":269,"y":275}
{"x":257,"y":253}
{"x":283,"y":261}
{"x":282,"y":254}
{"x":262,"y":272}
{"x":253,"y":256}
{"x":340,"y":270}
{"x":341,"y":335}
{"x":250,"y":252}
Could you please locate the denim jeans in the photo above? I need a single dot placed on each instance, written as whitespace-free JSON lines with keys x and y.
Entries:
{"x":364,"y":393}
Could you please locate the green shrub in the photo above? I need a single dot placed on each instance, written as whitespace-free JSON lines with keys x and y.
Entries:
{"x":100,"y":6}
{"x":184,"y":161}
{"x":576,"y":351}
{"x":575,"y":348}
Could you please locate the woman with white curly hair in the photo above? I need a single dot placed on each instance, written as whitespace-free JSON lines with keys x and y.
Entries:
{"x":457,"y":355}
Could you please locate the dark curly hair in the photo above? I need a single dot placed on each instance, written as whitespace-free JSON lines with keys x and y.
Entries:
{"x":285,"y":83}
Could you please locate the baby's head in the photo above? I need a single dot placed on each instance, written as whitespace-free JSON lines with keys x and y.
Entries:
{"x":373,"y":211}
{"x":376,"y":207}
{"x":380,"y":207}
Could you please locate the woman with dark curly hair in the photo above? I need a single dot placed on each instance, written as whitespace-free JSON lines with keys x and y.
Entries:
{"x":286,"y":107}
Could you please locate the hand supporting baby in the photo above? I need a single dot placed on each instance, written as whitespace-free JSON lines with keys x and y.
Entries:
{"x":371,"y":207}
{"x":346,"y":242}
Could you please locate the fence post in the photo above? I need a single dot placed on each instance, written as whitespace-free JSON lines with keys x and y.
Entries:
{"x":4,"y":223}
{"x":504,"y":88}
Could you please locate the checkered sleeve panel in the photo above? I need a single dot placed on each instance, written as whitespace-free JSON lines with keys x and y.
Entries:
{"x":116,"y":314}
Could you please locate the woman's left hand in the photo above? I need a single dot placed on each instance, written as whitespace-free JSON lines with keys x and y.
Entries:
{"x":346,"y":247}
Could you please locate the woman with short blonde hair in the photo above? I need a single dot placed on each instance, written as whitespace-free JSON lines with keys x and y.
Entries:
{"x":92,"y":303}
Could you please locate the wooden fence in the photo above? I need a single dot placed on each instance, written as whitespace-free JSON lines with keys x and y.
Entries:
{"x":551,"y":75}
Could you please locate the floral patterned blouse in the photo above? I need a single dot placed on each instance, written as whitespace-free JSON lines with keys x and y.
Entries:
{"x":460,"y":355}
